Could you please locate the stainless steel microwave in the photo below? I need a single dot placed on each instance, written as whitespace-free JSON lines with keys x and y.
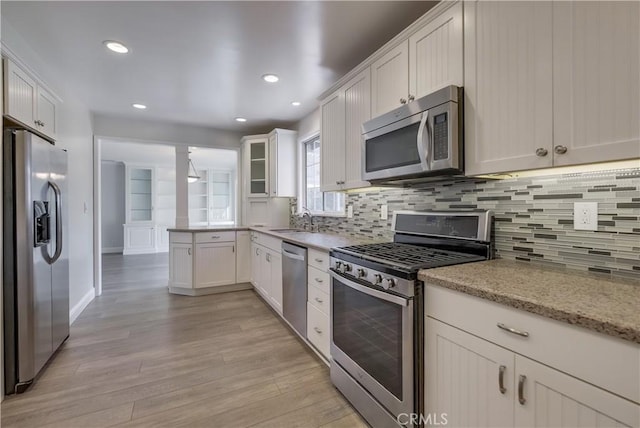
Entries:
{"x":419,"y":140}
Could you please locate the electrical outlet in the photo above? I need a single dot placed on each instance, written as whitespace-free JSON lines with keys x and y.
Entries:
{"x":585,"y":216}
{"x":350,"y":211}
{"x":384,"y":212}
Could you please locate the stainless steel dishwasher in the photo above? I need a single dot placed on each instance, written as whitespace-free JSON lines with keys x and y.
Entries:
{"x":294,"y":286}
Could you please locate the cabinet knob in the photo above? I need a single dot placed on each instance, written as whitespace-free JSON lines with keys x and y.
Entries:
{"x":317,"y":330}
{"x":403,"y":101}
{"x":541,"y":152}
{"x":560,"y":149}
{"x":411,"y":98}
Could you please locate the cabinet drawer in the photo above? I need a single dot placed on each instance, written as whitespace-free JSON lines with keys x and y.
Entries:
{"x":318,"y":298}
{"x":318,"y":278}
{"x":180,"y":237}
{"x":268,"y":241}
{"x":318,"y":329}
{"x":202,"y":237}
{"x":605,"y":361}
{"x":319,"y":260}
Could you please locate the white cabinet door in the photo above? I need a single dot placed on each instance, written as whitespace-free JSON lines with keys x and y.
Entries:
{"x":332,"y":142}
{"x":357,"y":99}
{"x":258,"y":168}
{"x":243,"y":257}
{"x":435,"y":53}
{"x":46,"y":112}
{"x":180,"y":265}
{"x":463,"y":378}
{"x":508,"y":86}
{"x":275,"y":276}
{"x":215,"y":264}
{"x":596,"y":81}
{"x":264,"y":283}
{"x":554,"y":399}
{"x":318,"y":332}
{"x":390,"y":80}
{"x":139,"y":239}
{"x":255,"y":265}
{"x":20,"y":94}
{"x":282,"y":168}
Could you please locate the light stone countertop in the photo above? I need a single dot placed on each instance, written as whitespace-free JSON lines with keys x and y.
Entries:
{"x":608,"y":306}
{"x":196,"y":229}
{"x":317,"y":240}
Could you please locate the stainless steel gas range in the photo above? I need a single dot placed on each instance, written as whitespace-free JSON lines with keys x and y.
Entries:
{"x":377,"y":341}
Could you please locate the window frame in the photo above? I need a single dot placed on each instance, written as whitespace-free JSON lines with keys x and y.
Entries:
{"x":302,"y":196}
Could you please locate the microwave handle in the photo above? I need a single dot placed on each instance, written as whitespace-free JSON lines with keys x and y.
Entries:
{"x":422,"y":142}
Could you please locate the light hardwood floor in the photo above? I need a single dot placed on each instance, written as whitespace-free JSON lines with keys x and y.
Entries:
{"x":138,"y":356}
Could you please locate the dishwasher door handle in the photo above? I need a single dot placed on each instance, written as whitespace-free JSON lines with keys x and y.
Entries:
{"x":292,"y":255}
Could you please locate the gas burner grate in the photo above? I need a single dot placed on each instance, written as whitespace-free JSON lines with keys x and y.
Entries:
{"x":408,"y":256}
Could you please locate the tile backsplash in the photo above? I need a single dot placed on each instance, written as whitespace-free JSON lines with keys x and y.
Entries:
{"x":534,"y":216}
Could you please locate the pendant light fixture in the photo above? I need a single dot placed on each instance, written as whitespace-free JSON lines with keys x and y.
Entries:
{"x":192,"y":174}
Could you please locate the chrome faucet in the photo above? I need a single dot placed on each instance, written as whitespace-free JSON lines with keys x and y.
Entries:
{"x":307,"y":214}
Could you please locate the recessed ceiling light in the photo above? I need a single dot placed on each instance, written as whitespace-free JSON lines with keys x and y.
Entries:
{"x":295,"y":103}
{"x":271,"y":78}
{"x":116,"y":46}
{"x":240,"y":119}
{"x":139,"y":106}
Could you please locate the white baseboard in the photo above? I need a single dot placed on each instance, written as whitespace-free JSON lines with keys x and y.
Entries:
{"x":111,"y":250}
{"x":81,"y":305}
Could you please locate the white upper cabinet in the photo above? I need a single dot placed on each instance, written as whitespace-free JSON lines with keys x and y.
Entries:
{"x":429,"y":59}
{"x":390,"y":80}
{"x":28,"y":102}
{"x":508,"y":86}
{"x":550,"y":84}
{"x":342,"y":114}
{"x":282,"y":163}
{"x":435,"y":53}
{"x":596,"y":81}
{"x":332,"y":142}
{"x":270,"y":162}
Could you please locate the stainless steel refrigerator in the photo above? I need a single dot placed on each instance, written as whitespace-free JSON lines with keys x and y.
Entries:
{"x":35,"y":261}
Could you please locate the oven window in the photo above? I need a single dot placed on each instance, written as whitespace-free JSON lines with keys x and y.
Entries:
{"x":369,"y":331}
{"x":392,"y":150}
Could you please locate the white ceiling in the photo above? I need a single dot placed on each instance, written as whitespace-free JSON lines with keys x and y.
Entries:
{"x":165,"y":155}
{"x":201,"y":62}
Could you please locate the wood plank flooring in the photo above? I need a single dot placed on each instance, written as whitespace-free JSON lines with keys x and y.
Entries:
{"x":140,"y":357}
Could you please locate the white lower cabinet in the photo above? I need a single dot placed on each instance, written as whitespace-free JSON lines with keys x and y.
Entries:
{"x":204,"y":263}
{"x":483,"y":384}
{"x":139,"y":239}
{"x":215,"y":264}
{"x":318,"y":329}
{"x":243,"y":257}
{"x":266,"y":269}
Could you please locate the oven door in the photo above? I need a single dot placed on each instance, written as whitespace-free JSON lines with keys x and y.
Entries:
{"x":372,"y":340}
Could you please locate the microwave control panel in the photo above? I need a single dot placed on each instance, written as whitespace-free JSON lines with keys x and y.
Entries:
{"x":440,"y":137}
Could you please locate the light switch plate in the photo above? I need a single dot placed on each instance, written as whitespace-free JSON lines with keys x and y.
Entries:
{"x":384,"y":212}
{"x":350,"y":211}
{"x":585,"y":216}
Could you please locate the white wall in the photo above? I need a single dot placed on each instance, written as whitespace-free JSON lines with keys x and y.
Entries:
{"x":113,"y":209}
{"x":309,"y":125}
{"x":75,"y":134}
{"x":148,"y":130}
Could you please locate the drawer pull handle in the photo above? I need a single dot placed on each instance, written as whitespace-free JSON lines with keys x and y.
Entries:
{"x":521,"y":398}
{"x":513,"y":330}
{"x":215,"y":237}
{"x":189,"y":251}
{"x":319,"y":280}
{"x":317,"y":330}
{"x":501,"y":379}
{"x":318,"y":300}
{"x":319,"y":260}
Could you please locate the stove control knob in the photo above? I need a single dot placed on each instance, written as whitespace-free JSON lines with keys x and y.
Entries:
{"x":388,"y":283}
{"x":338,"y":265}
{"x":377,"y":279}
{"x":361,"y":273}
{"x":346,"y":268}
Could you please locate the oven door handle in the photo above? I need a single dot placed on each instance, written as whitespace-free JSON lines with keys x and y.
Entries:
{"x":370,"y":291}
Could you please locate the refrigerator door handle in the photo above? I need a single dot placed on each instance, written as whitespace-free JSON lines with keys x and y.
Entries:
{"x":58,"y":202}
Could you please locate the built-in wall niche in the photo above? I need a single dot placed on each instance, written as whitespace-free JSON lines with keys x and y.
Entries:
{"x":213,"y":197}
